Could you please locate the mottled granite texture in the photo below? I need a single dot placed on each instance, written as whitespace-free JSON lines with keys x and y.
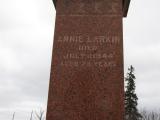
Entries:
{"x":86,"y":81}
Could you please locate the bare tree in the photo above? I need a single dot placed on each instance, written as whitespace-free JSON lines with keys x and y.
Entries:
{"x":13,"y":116}
{"x":31,"y":116}
{"x":40,"y":115}
{"x":154,"y":115}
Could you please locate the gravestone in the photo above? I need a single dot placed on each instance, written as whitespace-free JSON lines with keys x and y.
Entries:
{"x":86,"y":80}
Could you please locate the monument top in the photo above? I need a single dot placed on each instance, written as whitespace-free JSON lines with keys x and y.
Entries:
{"x":125,"y":7}
{"x":126,"y":4}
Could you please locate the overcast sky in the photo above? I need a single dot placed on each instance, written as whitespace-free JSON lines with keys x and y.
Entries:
{"x":26,"y":38}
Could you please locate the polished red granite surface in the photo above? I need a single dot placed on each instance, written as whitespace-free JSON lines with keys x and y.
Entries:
{"x":86,"y":81}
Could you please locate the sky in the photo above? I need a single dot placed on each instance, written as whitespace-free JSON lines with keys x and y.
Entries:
{"x":26,"y":39}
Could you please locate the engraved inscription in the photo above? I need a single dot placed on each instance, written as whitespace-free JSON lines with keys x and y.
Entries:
{"x":107,"y":39}
{"x":89,"y":56}
{"x":110,"y":64}
{"x":89,"y":51}
{"x":85,"y":7}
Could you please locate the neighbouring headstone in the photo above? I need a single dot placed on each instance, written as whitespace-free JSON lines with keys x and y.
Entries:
{"x":86,"y":81}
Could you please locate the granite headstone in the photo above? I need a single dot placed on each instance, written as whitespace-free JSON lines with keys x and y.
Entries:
{"x":86,"y":81}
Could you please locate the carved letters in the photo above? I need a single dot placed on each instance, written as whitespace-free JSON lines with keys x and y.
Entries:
{"x":87,"y":52}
